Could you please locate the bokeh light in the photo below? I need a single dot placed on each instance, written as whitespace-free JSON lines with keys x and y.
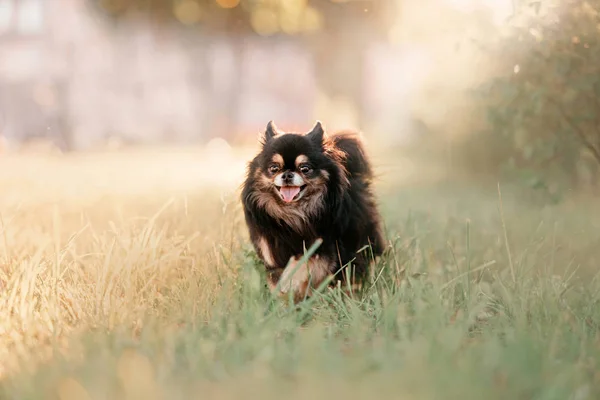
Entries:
{"x":312,"y":20}
{"x":264,"y":21}
{"x":290,"y":19}
{"x":228,"y":3}
{"x":188,"y":12}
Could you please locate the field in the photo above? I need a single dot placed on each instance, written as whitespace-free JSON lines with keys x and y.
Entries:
{"x":128,"y":275}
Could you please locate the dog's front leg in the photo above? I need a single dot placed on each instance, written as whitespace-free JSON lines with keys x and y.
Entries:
{"x":300,"y":279}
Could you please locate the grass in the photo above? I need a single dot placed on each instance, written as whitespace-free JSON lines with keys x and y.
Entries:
{"x":125,"y":277}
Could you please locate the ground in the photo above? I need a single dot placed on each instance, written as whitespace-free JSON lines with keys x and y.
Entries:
{"x":128,"y":275}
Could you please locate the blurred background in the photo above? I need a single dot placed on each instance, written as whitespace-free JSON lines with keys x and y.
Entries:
{"x":486,"y":87}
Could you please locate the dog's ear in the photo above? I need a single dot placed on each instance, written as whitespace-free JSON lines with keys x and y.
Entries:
{"x":270,"y":132}
{"x":316,"y":134}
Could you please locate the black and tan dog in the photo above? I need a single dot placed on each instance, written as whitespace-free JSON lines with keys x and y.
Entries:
{"x":304,"y":187}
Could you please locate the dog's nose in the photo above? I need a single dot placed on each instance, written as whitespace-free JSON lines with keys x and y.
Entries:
{"x":288,"y":177}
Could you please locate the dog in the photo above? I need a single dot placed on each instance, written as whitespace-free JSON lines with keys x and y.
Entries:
{"x":307,"y":187}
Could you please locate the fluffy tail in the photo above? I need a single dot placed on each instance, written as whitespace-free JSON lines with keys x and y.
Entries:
{"x":356,"y":162}
{"x":363,"y":203}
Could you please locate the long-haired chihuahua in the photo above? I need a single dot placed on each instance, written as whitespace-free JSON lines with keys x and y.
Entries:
{"x":308,"y":187}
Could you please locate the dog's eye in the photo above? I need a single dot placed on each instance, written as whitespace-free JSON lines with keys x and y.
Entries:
{"x":305,"y":169}
{"x":273,"y":169}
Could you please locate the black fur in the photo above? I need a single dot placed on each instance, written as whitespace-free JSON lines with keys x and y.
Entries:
{"x":346,"y":217}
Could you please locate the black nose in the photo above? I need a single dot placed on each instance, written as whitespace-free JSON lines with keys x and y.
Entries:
{"x":288,"y":177}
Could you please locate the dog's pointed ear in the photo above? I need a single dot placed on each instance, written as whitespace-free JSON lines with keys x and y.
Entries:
{"x":316,"y":134}
{"x":270,"y":132}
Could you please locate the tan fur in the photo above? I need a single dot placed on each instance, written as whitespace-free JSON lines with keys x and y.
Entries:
{"x":294,"y":279}
{"x":277,"y":159}
{"x":301,"y":159}
{"x":301,"y":280}
{"x":339,"y":156}
{"x":266,"y":252}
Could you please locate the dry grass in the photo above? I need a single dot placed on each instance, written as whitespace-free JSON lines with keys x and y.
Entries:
{"x":128,"y":275}
{"x":101,"y":240}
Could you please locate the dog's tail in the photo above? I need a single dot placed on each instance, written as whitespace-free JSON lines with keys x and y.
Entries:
{"x":356,"y":162}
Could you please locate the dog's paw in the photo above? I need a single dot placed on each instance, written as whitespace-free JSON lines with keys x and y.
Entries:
{"x":294,"y":279}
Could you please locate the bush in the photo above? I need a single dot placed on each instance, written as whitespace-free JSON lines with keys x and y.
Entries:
{"x":543,"y":126}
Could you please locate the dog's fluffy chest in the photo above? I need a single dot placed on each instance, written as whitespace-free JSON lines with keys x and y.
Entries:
{"x":278,"y":248}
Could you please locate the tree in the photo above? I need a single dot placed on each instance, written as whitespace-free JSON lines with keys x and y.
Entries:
{"x":543,"y":109}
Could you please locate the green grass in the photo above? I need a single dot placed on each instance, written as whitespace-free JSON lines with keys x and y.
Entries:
{"x":139,"y":298}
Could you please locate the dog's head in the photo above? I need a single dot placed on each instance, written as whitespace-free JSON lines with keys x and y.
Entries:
{"x":293,"y":172}
{"x":293,"y":167}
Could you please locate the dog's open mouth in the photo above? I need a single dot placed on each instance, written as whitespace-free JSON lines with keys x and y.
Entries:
{"x":291,"y":193}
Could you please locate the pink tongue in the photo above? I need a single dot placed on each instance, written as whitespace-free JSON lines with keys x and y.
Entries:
{"x":288,"y":192}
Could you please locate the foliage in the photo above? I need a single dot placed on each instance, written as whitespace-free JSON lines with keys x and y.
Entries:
{"x":542,"y":107}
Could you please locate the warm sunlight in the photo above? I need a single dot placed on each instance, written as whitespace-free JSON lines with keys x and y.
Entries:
{"x":267,"y":199}
{"x":500,"y":9}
